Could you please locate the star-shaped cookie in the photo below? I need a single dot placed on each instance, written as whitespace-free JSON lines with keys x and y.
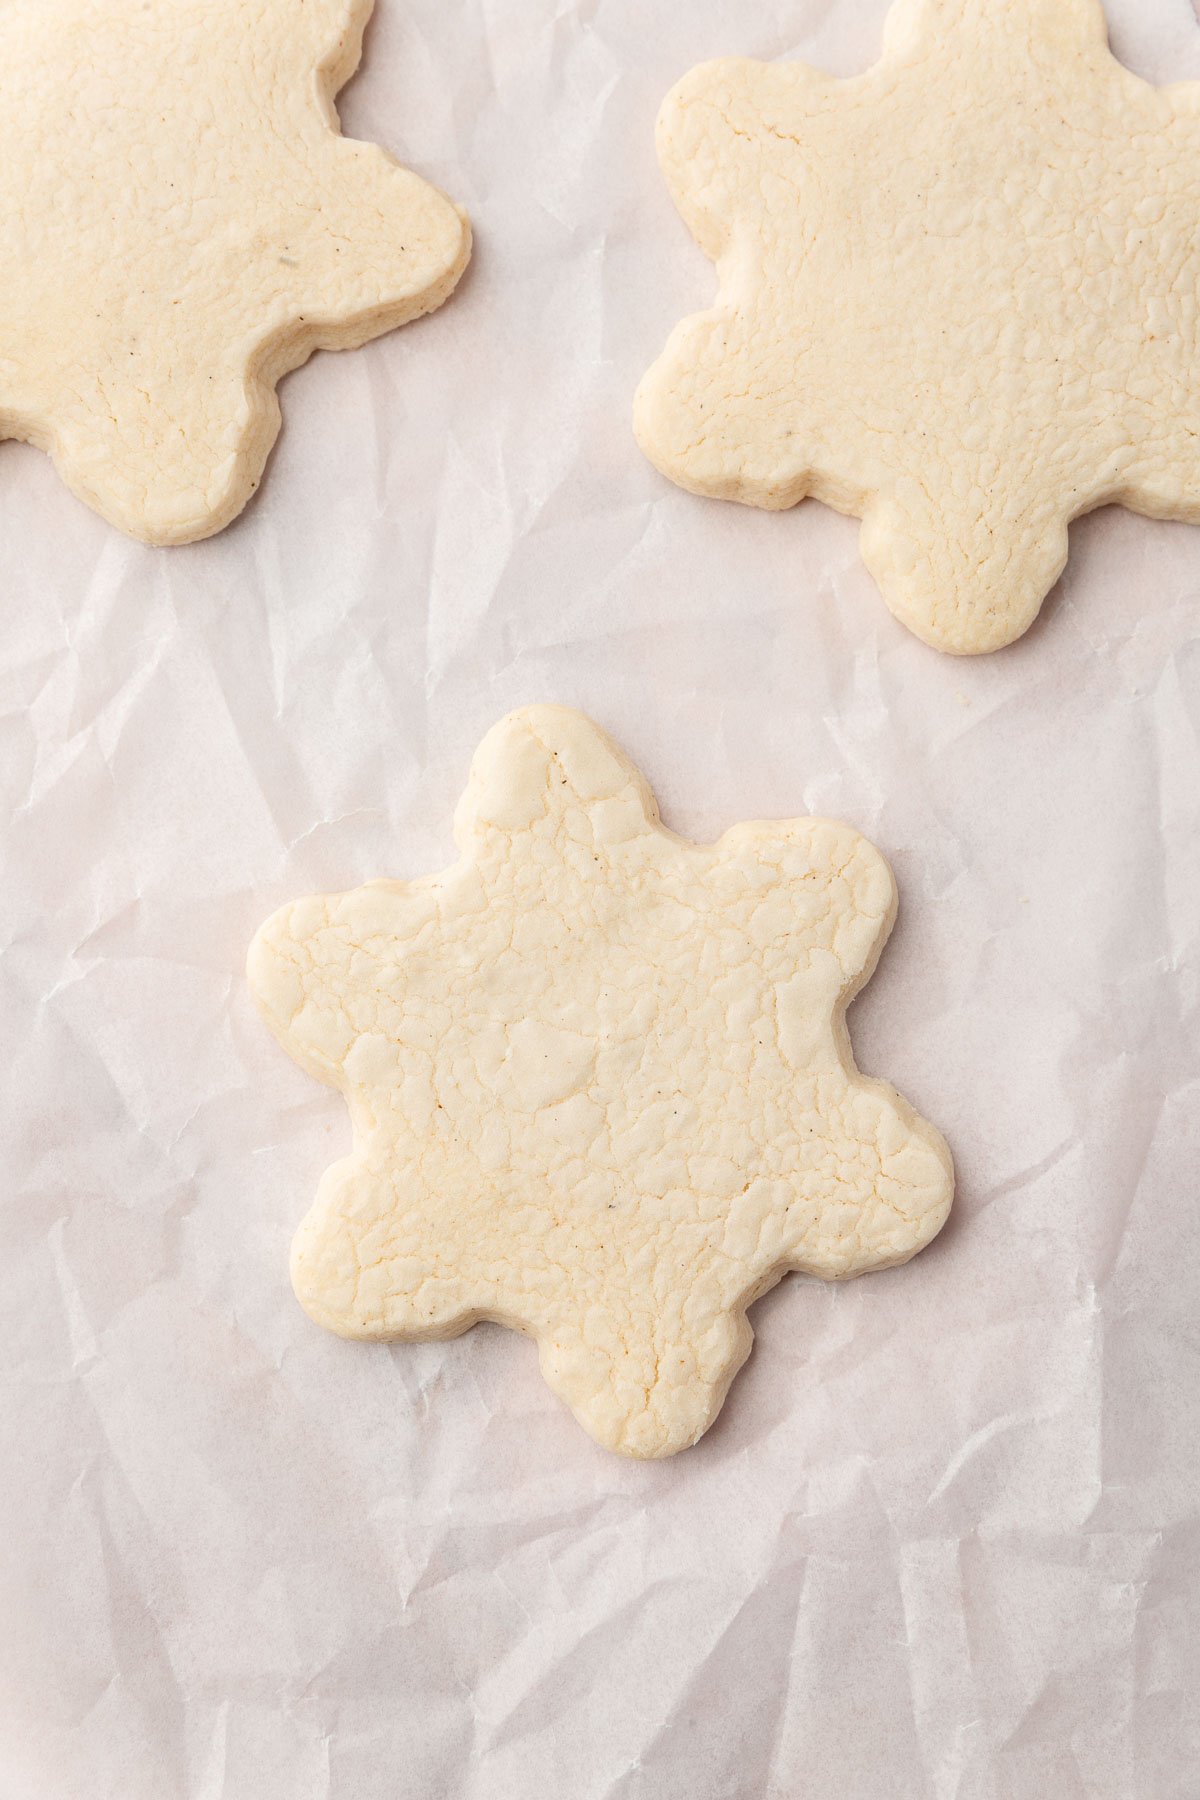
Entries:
{"x":958,"y":298}
{"x":600,"y":1083}
{"x":181,"y":223}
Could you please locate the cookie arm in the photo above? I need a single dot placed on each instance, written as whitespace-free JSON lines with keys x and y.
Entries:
{"x":170,"y":452}
{"x":722,"y":413}
{"x":885,"y":1189}
{"x":540,"y":764}
{"x":966,"y":573}
{"x":373,"y":246}
{"x":324,"y":36}
{"x":718,"y":132}
{"x":162,"y":453}
{"x":911,"y":25}
{"x":875,"y":1180}
{"x":646,"y":1387}
{"x":296,"y":968}
{"x":365,"y":1266}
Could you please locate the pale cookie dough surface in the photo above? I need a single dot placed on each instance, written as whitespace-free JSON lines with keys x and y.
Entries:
{"x":181,"y":223}
{"x":958,"y":298}
{"x":600,"y":1083}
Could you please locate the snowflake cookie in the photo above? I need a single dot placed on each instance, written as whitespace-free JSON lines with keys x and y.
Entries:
{"x":181,"y":223}
{"x":958,"y":298}
{"x":600,"y":1083}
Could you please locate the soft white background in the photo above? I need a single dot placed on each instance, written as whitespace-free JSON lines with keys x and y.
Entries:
{"x":945,"y":1539}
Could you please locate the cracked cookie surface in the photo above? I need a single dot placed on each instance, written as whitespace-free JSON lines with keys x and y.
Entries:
{"x":600,"y":1083}
{"x":958,"y":299}
{"x":181,"y":223}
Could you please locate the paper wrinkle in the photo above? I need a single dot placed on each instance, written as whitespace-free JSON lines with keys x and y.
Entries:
{"x":944,"y":1541}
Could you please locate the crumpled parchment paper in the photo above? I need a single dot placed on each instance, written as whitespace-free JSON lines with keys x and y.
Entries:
{"x":945,"y":1539}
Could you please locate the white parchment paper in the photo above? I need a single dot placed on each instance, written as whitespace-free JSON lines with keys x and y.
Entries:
{"x":945,"y":1539}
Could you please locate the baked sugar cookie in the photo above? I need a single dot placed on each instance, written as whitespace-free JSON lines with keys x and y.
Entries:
{"x":600,"y":1083}
{"x":180,"y":224}
{"x":958,"y":298}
